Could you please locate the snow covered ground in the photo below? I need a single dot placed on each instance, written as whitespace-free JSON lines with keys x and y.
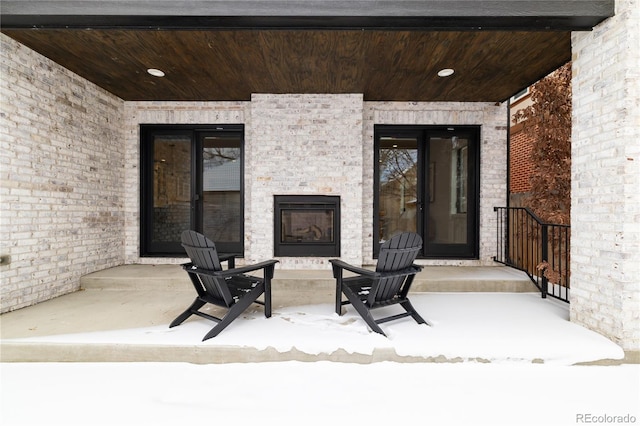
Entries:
{"x":529,"y":379}
{"x":468,"y":326}
{"x":316,"y":393}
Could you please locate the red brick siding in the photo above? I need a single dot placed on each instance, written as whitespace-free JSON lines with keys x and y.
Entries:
{"x":520,"y":161}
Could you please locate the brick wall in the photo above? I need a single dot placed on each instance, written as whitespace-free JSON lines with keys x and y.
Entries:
{"x":321,"y":145}
{"x":605,"y":201}
{"x":520,"y":166}
{"x":294,"y":144}
{"x":304,"y":145}
{"x":61,"y":178}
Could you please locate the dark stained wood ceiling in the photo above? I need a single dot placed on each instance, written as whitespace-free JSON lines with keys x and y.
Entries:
{"x":231,"y":64}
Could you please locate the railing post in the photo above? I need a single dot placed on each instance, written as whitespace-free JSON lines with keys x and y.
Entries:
{"x":545,"y":258}
{"x":495,"y":209}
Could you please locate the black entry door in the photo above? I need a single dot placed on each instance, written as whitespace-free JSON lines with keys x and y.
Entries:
{"x":191,"y":178}
{"x":427,"y":181}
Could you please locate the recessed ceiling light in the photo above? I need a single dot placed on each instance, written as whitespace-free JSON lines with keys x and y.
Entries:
{"x":446,"y":72}
{"x":155,"y":72}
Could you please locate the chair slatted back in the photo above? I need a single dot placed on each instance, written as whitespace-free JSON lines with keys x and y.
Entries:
{"x":203,"y":254}
{"x":397,"y":253}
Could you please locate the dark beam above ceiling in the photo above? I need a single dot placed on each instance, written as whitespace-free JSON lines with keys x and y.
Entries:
{"x":296,"y":14}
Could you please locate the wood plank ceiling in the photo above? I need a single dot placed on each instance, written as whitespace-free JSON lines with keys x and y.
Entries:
{"x":231,"y":64}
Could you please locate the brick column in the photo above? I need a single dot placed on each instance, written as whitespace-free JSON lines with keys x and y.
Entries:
{"x":304,"y":144}
{"x":605,"y":205}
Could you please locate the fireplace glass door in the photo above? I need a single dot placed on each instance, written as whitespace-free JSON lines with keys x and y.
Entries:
{"x":306,"y":226}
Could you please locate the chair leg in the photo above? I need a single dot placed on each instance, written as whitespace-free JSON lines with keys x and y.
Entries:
{"x":414,"y":314}
{"x":195,"y":306}
{"x":267,"y":297}
{"x":234,"y":311}
{"x":338,"y":302}
{"x":339,"y":297}
{"x":363,"y":311}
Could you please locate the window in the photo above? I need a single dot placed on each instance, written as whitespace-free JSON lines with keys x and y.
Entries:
{"x":427,"y":181}
{"x":191,"y":178}
{"x":521,"y":94}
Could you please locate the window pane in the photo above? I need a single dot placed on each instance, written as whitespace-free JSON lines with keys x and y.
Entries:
{"x":221,"y":188}
{"x":398,"y":199}
{"x":448,"y":186}
{"x":171,"y":187}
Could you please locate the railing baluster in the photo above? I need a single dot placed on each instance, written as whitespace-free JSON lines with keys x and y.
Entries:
{"x":525,"y":242}
{"x":566,"y":258}
{"x":545,"y":258}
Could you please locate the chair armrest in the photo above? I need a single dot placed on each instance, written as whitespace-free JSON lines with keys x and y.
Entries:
{"x":249,"y":268}
{"x":413,"y":269}
{"x":267,"y":264}
{"x":339,"y":264}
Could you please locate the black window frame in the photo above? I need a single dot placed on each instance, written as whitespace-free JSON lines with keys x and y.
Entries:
{"x":149,"y":248}
{"x":423,"y":134}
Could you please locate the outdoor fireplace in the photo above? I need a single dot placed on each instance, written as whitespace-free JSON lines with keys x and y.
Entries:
{"x":306,"y":225}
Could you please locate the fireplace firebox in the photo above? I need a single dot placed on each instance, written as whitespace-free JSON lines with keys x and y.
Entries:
{"x":306,"y":225}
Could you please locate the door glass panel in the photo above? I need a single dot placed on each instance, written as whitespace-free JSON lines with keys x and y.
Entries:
{"x":171,"y":187}
{"x":427,"y":182}
{"x":398,"y":186}
{"x":221,"y":188}
{"x":448,"y":190}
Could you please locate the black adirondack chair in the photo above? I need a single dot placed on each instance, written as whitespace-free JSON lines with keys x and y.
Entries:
{"x":388,"y":285}
{"x":232,"y":289}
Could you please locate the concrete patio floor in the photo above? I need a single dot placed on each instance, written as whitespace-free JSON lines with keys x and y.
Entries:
{"x":481,"y":314}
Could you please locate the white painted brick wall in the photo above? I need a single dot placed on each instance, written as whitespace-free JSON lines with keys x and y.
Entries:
{"x":319,"y":144}
{"x":61,"y":178}
{"x":304,"y":145}
{"x":605,"y":204}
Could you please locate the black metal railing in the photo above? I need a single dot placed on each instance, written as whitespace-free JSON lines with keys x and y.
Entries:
{"x":540,"y":249}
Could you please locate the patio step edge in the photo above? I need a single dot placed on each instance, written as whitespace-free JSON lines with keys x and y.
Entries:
{"x":431,"y":279}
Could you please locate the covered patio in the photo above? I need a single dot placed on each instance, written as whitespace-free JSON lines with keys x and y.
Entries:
{"x":78,"y":93}
{"x":490,"y":314}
